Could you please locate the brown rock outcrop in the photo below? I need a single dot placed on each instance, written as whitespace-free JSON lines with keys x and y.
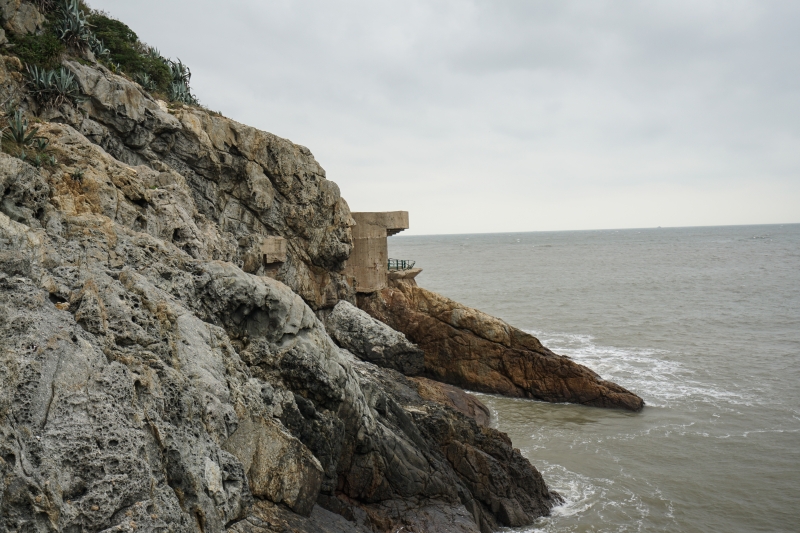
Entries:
{"x":471,"y":349}
{"x":454,"y":397}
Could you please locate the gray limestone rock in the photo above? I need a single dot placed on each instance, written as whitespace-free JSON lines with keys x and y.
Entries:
{"x":20,"y":17}
{"x":372,"y":340}
{"x":279,"y":468}
{"x":24,"y":191}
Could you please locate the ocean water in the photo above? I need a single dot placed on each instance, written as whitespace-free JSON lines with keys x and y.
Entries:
{"x":703,"y":323}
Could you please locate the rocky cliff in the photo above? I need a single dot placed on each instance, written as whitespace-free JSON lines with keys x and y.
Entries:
{"x":160,"y":374}
{"x":155,"y":378}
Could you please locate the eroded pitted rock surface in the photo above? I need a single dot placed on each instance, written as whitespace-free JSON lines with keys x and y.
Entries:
{"x":468,"y":348}
{"x":150,"y":384}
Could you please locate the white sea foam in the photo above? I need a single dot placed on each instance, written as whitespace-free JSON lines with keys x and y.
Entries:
{"x":583,"y":494}
{"x":654,"y":374}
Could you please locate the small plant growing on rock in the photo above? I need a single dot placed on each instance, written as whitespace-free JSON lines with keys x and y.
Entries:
{"x":17,"y":131}
{"x":53,"y":88}
{"x":20,"y":140}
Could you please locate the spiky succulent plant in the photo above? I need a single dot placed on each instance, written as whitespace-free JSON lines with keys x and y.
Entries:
{"x":180,"y":72}
{"x":52,"y":88}
{"x":179,"y":92}
{"x":72,"y":27}
{"x":18,"y":131}
{"x":144,"y":79}
{"x":97,"y":47}
{"x":153,"y":53}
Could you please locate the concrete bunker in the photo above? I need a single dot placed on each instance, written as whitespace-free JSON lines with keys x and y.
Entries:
{"x":369,"y":261}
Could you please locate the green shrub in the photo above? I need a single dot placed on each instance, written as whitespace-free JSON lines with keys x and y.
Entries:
{"x":158,"y":71}
{"x":129,"y":53}
{"x":44,"y":51}
{"x":120,"y":40}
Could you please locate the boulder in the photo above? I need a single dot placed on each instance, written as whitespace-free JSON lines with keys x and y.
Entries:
{"x":372,"y":340}
{"x":468,"y":348}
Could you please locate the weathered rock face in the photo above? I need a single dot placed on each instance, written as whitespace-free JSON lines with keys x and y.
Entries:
{"x":372,"y":340}
{"x":471,"y":349}
{"x":244,"y":184}
{"x":20,"y":17}
{"x":150,"y":384}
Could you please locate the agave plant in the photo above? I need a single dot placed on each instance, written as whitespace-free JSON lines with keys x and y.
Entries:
{"x":52,"y":88}
{"x":72,"y":27}
{"x":179,"y":92}
{"x":153,"y":53}
{"x":17,"y":131}
{"x":97,"y":47}
{"x":180,"y":72}
{"x":144,"y":79}
{"x":40,"y":144}
{"x":40,"y":80}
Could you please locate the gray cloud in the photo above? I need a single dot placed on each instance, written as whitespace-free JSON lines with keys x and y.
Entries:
{"x":513,"y":115}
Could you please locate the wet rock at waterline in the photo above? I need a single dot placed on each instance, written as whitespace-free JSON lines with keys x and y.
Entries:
{"x":470,"y":349}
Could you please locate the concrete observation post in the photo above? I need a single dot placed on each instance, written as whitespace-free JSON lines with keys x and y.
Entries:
{"x":369,"y":260}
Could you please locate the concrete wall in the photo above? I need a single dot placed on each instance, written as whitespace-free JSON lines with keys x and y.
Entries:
{"x":370,"y":255}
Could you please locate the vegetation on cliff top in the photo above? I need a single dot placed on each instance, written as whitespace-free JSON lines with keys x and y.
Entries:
{"x":72,"y":29}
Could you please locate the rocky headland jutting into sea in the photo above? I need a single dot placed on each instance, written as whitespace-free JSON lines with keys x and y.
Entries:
{"x":160,"y":373}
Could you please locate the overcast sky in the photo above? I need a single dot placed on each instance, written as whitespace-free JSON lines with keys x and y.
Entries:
{"x":491,"y":115}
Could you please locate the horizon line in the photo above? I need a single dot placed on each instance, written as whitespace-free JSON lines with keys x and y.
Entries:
{"x":402,"y":234}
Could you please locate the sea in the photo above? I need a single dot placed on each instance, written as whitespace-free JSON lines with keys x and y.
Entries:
{"x":702,"y":322}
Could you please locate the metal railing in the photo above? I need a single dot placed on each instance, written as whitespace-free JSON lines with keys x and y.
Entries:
{"x":401,"y":264}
